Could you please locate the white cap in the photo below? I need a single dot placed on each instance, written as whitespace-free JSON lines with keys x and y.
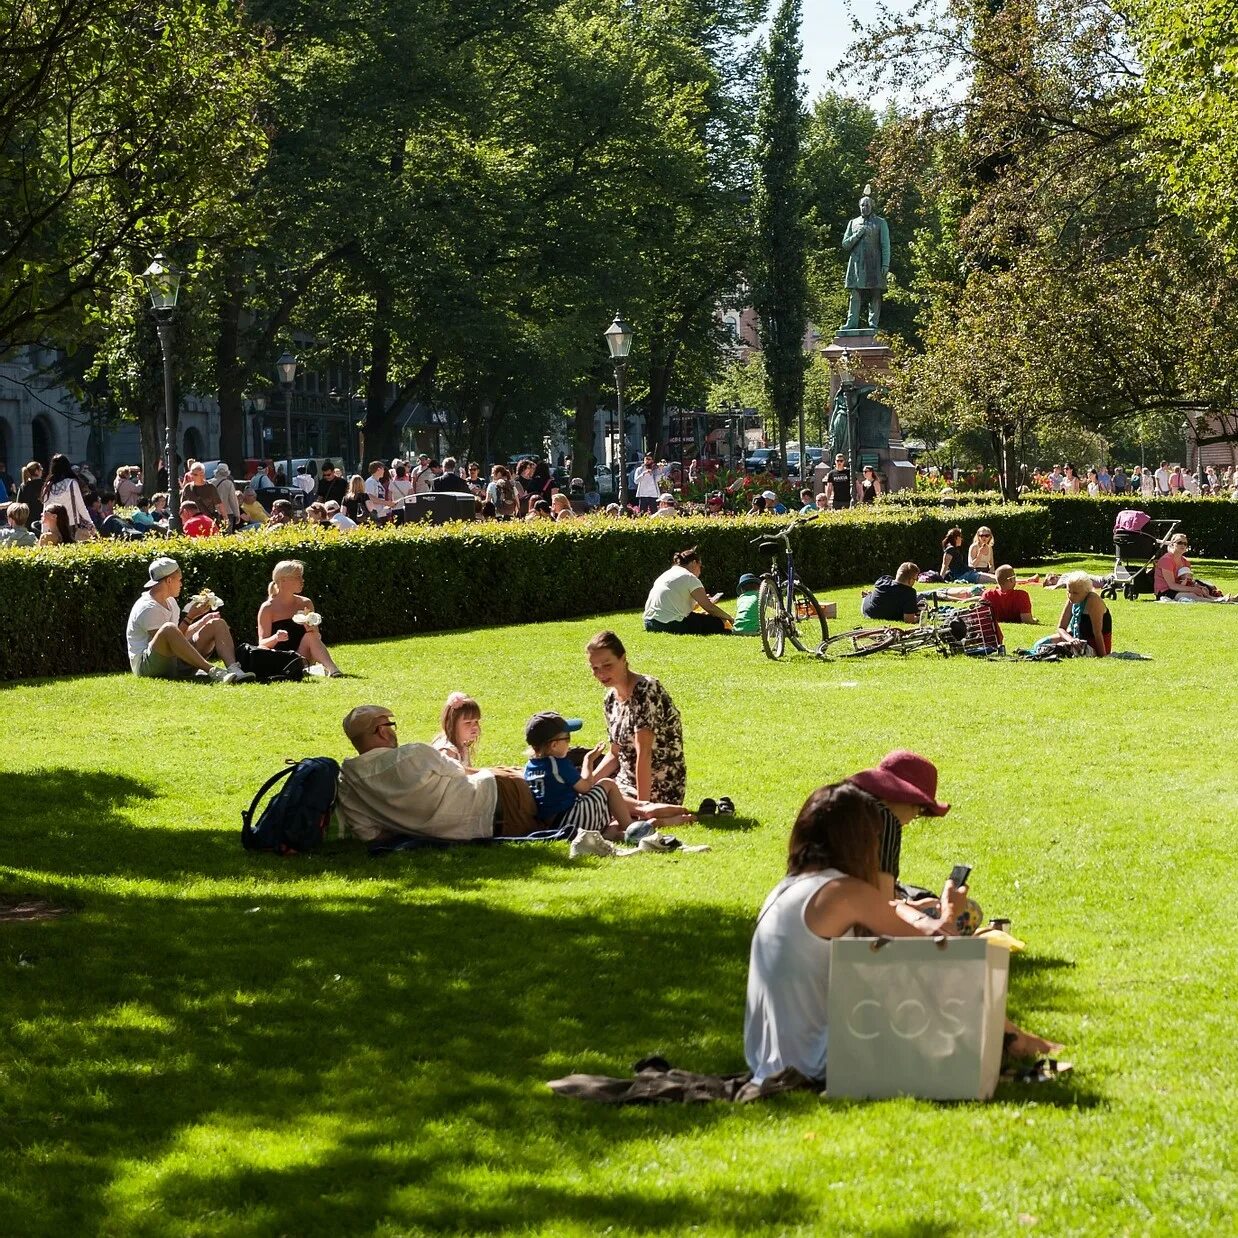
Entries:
{"x":160,"y":569}
{"x":769,"y":496}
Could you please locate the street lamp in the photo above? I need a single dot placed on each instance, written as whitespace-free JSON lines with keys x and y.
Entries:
{"x":286,"y":368}
{"x":487,"y":411}
{"x":257,"y":404}
{"x":163,"y":283}
{"x":1186,"y":446}
{"x":619,"y":341}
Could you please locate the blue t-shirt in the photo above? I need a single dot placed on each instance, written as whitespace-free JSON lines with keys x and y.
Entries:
{"x":553,"y":781}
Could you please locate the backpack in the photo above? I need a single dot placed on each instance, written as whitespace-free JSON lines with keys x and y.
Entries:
{"x":270,"y":664}
{"x":297,"y":817}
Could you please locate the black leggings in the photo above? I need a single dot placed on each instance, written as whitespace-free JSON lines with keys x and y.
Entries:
{"x":696,"y":624}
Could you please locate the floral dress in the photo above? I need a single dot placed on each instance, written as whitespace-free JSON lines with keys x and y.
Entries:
{"x":649,"y":708}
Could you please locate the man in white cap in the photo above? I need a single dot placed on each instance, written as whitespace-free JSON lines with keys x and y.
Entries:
{"x":666,"y":506}
{"x":163,"y":645}
{"x":338,"y":517}
{"x":390,"y":789}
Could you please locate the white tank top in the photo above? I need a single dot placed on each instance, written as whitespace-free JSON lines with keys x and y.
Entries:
{"x":788,"y":983}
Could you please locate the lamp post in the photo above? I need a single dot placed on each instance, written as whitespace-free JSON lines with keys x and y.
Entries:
{"x":619,"y":341}
{"x":286,"y":368}
{"x":487,"y":411}
{"x":163,"y":283}
{"x":257,"y":404}
{"x":1186,"y":445}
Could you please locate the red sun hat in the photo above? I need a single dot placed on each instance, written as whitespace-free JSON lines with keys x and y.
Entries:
{"x":903,"y":778}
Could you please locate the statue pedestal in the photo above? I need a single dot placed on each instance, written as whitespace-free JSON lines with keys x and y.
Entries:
{"x":869,"y":359}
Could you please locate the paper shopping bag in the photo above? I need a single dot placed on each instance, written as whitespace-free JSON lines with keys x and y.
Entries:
{"x":915,"y":1016}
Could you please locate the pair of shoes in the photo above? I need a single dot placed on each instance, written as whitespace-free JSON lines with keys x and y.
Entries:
{"x":218,"y":674}
{"x":590,"y":842}
{"x":638,"y":830}
{"x":659,"y":842}
{"x":708,"y":808}
{"x":726,"y":807}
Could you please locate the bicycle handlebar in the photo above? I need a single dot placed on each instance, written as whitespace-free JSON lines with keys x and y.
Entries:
{"x":784,"y":534}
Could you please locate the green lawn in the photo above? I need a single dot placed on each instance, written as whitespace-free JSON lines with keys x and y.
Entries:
{"x":216,"y":1043}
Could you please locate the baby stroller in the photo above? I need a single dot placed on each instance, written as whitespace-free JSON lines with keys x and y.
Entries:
{"x":1136,"y":536}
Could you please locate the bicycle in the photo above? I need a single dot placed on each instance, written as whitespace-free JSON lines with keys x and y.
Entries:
{"x":785,"y":605}
{"x":944,"y":629}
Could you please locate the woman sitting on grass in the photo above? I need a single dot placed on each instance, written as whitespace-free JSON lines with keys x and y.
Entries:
{"x":830,"y":890}
{"x":1174,"y":580}
{"x":54,"y":526}
{"x":1085,"y":629}
{"x":675,"y":595}
{"x":279,"y":626}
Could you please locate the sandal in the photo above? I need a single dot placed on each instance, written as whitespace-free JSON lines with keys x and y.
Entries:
{"x":726,"y":807}
{"x":708,"y":808}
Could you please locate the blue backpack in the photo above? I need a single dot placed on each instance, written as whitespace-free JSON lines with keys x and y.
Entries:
{"x":296,"y":819}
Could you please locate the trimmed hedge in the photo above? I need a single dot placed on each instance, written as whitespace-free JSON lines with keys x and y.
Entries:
{"x":926,"y":498}
{"x":1081,"y":524}
{"x":63,"y":609}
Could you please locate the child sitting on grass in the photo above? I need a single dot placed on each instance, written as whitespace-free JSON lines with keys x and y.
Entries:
{"x":566,"y":795}
{"x":747,"y":614}
{"x":461,"y":729}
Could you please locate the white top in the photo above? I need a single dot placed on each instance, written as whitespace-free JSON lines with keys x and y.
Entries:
{"x":399,"y":488}
{"x":342,"y":520}
{"x":226,"y":490}
{"x":376,"y":496}
{"x":670,"y":598}
{"x":145,"y":619}
{"x":304,"y":482}
{"x":68,"y":494}
{"x":647,"y":483}
{"x":785,"y":1020}
{"x":423,"y":480}
{"x":413,"y":789}
{"x":1161,"y":478}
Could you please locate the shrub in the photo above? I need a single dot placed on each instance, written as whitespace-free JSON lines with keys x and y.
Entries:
{"x":1081,"y":524}
{"x":63,"y":609}
{"x":924,"y":498}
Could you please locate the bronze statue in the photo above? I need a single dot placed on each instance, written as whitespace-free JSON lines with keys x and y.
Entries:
{"x":867,"y":244}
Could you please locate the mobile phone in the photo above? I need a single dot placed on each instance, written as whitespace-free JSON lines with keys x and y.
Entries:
{"x":959,"y":874}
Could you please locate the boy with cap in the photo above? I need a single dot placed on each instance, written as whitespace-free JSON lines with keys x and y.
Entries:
{"x":747,"y":613}
{"x":162,"y":645}
{"x":566,"y":795}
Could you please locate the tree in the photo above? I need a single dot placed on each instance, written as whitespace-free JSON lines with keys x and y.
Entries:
{"x":120,"y":133}
{"x":780,"y":289}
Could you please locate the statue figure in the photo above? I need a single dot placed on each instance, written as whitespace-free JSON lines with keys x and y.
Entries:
{"x":840,"y":426}
{"x":867,"y":244}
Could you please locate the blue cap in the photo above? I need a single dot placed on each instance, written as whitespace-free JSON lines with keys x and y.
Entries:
{"x":747,"y":581}
{"x":542,"y":728}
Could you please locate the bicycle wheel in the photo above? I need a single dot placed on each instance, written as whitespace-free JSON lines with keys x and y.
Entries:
{"x":801,"y":628}
{"x":773,"y":618}
{"x":860,"y":642}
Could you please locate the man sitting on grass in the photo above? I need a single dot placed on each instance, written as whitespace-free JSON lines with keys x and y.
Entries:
{"x":1008,"y":604}
{"x":193,"y":522}
{"x":895,"y":598}
{"x":162,"y":645}
{"x":17,"y":516}
{"x":390,"y":789}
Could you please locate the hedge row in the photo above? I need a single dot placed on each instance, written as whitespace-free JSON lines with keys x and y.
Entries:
{"x":63,"y":609}
{"x":926,"y":498}
{"x":1080,"y":524}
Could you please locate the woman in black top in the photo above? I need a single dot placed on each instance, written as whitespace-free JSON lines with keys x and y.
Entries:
{"x":870,"y":486}
{"x":954,"y":559}
{"x":355,"y":500}
{"x":30,"y":491}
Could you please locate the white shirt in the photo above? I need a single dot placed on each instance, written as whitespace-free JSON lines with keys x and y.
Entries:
{"x":785,"y":1017}
{"x":670,"y":599}
{"x":647,"y":483}
{"x":1146,"y":484}
{"x":376,"y":496}
{"x":399,"y":488}
{"x":414,"y":789}
{"x":303,"y":481}
{"x":342,"y":520}
{"x":145,"y":619}
{"x":422,"y":479}
{"x":1161,"y":477}
{"x":68,"y":494}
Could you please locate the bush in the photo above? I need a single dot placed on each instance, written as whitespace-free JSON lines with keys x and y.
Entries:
{"x":1081,"y":524}
{"x":924,"y":498}
{"x":64,"y":608}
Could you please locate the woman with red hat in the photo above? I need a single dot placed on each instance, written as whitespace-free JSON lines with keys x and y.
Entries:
{"x":904,"y":785}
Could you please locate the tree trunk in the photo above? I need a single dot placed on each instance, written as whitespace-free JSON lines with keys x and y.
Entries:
{"x":150,"y":427}
{"x":381,"y":436}
{"x":230,"y":375}
{"x":583,"y":459}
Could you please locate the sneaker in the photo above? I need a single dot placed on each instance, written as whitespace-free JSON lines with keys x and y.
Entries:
{"x":726,"y":807}
{"x":590,"y":842}
{"x":708,"y":808}
{"x":239,"y":675}
{"x":638,"y":830}
{"x":218,"y":674}
{"x":659,"y":842}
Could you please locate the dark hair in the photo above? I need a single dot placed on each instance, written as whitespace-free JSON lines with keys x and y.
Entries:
{"x":60,"y":515}
{"x":838,"y":827}
{"x":951,"y":534}
{"x":758,"y":503}
{"x":689,"y":554}
{"x":60,"y":470}
{"x":608,"y":641}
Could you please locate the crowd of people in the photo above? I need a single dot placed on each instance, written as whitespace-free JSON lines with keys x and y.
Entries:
{"x":1166,"y":481}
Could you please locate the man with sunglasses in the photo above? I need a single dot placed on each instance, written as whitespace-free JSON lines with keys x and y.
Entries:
{"x":390,"y":788}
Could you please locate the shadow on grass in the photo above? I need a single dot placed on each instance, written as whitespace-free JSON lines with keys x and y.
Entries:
{"x":730,"y":823}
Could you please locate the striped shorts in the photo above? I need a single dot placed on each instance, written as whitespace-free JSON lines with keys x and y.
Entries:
{"x":590,"y":812}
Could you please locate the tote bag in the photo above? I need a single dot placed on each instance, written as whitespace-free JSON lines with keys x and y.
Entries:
{"x":916,"y":1017}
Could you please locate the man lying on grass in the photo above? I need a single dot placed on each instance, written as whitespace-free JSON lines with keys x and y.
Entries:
{"x":390,"y":789}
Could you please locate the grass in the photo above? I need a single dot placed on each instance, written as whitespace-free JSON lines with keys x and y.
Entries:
{"x":222,"y":1044}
